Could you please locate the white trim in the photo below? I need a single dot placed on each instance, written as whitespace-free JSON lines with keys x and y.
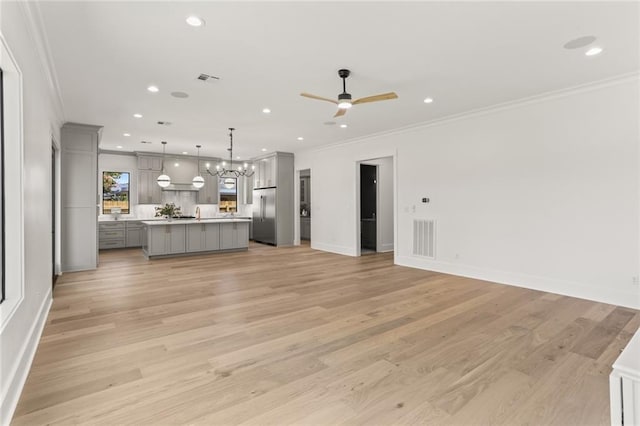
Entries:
{"x":516,"y":103}
{"x":35,"y":27}
{"x":13,"y":301}
{"x":17,"y":378}
{"x":549,"y":285}
{"x":385,"y":248}
{"x":331,"y":248}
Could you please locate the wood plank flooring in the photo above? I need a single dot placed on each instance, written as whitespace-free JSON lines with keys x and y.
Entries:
{"x":298,"y":336}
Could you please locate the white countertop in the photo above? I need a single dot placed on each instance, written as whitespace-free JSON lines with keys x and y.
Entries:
{"x":192,"y":221}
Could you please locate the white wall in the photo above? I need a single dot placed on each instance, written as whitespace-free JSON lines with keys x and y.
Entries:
{"x":541,"y":194}
{"x":41,"y":122}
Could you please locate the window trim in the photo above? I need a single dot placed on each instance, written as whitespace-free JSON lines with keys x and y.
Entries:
{"x":13,"y":194}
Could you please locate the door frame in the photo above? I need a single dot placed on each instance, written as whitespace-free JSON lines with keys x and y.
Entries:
{"x":368,"y":161}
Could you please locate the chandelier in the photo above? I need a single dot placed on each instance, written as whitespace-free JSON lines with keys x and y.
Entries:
{"x":223,"y":172}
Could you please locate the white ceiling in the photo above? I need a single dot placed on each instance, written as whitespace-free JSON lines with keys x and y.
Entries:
{"x":465,"y":55}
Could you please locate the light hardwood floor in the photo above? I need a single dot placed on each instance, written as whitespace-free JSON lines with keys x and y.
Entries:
{"x":297,"y":336}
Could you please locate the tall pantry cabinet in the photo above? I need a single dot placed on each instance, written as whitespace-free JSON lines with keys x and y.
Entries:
{"x":80,"y":198}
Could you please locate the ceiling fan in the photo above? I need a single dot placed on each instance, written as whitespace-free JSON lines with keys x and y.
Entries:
{"x":344,"y":101}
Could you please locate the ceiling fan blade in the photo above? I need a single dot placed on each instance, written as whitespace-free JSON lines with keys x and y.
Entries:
{"x":320,"y":98}
{"x":340,"y":113}
{"x":375,"y":98}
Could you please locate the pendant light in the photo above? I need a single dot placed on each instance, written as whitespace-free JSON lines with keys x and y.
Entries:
{"x":163,"y":180}
{"x":198,"y":181}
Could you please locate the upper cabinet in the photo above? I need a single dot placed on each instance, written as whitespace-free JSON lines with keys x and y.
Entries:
{"x":273,"y":169}
{"x":150,"y":162}
{"x":149,"y":192}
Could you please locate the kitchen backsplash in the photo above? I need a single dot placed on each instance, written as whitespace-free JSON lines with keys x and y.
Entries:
{"x":148,"y":211}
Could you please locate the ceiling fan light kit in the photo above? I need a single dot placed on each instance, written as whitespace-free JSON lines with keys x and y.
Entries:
{"x":344,"y":101}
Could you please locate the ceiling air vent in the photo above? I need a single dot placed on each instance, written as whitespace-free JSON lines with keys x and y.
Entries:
{"x":146,"y":142}
{"x":164,"y":123}
{"x":207,"y":77}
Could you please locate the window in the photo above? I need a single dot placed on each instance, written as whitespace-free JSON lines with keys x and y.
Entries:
{"x":228,"y":194}
{"x":115,"y":192}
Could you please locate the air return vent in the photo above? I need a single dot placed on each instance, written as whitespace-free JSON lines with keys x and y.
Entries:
{"x":207,"y":77}
{"x":424,"y":238}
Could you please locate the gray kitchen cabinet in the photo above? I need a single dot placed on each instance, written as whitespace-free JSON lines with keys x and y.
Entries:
{"x":134,"y":234}
{"x":111,"y":235}
{"x":203,"y":237}
{"x":305,"y":228}
{"x":246,"y":189}
{"x":79,"y":199}
{"x":149,"y":192}
{"x":150,"y":162}
{"x":234,"y":235}
{"x":166,"y":239}
{"x":208,"y":194}
{"x":266,"y":172}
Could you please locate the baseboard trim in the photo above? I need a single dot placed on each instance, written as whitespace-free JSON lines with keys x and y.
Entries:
{"x":347,"y":251}
{"x":550,"y":285}
{"x":385,"y":248}
{"x":18,"y":377}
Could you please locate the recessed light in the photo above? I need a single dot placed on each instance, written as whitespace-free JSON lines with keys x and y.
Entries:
{"x":184,"y":152}
{"x":593,"y":51}
{"x":119,"y":146}
{"x":195,"y":21}
{"x":266,"y":110}
{"x":176,"y":164}
{"x":344,"y":126}
{"x":153,"y":89}
{"x":300,"y":138}
{"x":263,"y":149}
{"x":137,"y":115}
{"x":126,"y":134}
{"x":237,"y":157}
{"x":428,"y":100}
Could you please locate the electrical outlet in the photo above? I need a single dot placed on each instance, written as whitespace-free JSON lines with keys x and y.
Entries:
{"x":635,"y":280}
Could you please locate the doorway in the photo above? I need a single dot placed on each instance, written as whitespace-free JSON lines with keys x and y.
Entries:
{"x":375,"y":198}
{"x":368,"y":208}
{"x":305,"y":206}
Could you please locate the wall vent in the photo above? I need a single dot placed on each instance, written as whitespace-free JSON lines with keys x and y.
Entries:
{"x":424,"y":238}
{"x":207,"y":77}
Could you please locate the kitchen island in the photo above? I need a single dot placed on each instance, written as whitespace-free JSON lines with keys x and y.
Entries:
{"x":165,"y":238}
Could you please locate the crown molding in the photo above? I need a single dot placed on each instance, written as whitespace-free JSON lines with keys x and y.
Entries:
{"x":35,"y":27}
{"x":517,"y":103}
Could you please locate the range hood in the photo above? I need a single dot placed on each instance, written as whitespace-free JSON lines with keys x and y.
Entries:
{"x":181,"y":187}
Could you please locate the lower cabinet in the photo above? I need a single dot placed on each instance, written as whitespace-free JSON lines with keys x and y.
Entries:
{"x":111,"y":235}
{"x":305,"y":228}
{"x":133,"y":235}
{"x":234,"y":235}
{"x":203,"y":237}
{"x":163,"y":240}
{"x":166,"y":239}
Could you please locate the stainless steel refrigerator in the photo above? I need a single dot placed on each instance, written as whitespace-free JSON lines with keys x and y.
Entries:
{"x":264,"y":215}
